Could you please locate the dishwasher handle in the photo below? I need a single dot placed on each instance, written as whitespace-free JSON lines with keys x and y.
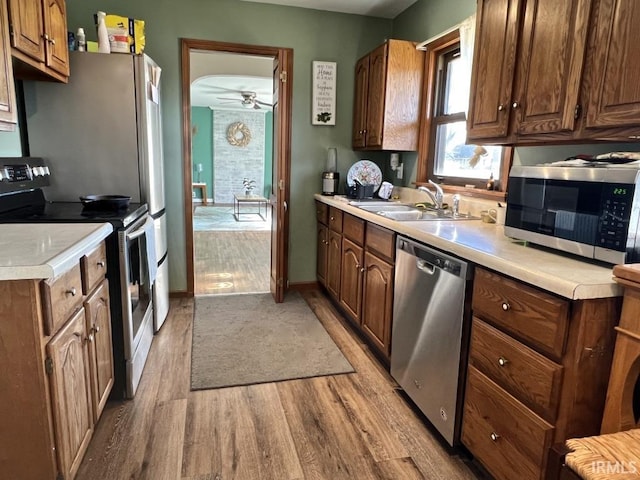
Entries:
{"x":425,"y":266}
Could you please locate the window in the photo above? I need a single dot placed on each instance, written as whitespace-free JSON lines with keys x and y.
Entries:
{"x":445,"y":155}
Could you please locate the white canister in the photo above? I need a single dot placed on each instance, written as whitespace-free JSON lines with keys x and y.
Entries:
{"x":103,"y":36}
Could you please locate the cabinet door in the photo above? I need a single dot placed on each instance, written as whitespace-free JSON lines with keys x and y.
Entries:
{"x":377,"y":301}
{"x":333,"y":264}
{"x":493,"y":70}
{"x":55,"y":24}
{"x":98,"y":319}
{"x":351,"y":278}
{"x":26,"y":20}
{"x":71,"y":393}
{"x":376,"y":96}
{"x":8,"y":117}
{"x":358,"y":138}
{"x":614,"y":96}
{"x":551,"y":59}
{"x":323,"y":254}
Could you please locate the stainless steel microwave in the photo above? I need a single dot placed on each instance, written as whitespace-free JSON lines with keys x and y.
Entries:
{"x":587,"y":211}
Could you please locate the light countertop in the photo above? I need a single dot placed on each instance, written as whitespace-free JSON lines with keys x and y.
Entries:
{"x":42,"y":250}
{"x":486,"y":245}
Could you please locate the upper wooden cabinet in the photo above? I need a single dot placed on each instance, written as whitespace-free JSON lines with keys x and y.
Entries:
{"x":554,"y":70}
{"x":527,"y":67}
{"x":39,"y":38}
{"x":8,"y":116}
{"x":613,"y":99}
{"x":388,"y":83}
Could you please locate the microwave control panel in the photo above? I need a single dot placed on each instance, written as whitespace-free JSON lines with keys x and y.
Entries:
{"x":616,"y":208}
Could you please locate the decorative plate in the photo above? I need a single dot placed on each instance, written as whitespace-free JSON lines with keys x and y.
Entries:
{"x":366,"y":172}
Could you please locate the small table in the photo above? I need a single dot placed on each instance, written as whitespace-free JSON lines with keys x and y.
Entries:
{"x":249,"y":199}
{"x":203,"y":191}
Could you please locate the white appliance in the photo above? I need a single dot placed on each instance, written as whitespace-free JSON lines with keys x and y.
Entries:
{"x":102,"y":134}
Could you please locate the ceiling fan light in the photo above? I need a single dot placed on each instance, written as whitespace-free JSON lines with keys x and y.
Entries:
{"x":248,"y":104}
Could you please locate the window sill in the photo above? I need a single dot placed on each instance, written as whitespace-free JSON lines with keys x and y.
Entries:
{"x":469,"y":192}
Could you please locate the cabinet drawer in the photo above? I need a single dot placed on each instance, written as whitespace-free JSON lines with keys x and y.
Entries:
{"x":530,"y":314}
{"x":335,"y":219}
{"x":353,"y":228}
{"x":506,"y":437}
{"x":381,"y":241}
{"x":94,"y":268}
{"x":61,"y":296}
{"x":530,"y":377}
{"x":322,"y":213}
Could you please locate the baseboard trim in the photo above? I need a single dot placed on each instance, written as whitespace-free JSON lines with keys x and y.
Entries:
{"x":304,"y":286}
{"x":180,"y":294}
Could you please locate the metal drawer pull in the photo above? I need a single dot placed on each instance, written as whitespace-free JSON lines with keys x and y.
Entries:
{"x":494,"y":436}
{"x":505,"y":306}
{"x":500,"y":107}
{"x":96,"y":329}
{"x":71,"y":292}
{"x":502,"y":361}
{"x":101,"y":263}
{"x":90,"y":337}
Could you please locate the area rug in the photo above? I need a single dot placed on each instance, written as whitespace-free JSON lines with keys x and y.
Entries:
{"x":221,"y":218}
{"x":248,"y":339}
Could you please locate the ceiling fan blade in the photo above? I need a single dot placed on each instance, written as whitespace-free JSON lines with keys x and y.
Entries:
{"x":227,"y":98}
{"x":263,"y":103}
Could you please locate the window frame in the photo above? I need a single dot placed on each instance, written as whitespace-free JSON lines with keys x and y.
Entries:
{"x":429,"y":124}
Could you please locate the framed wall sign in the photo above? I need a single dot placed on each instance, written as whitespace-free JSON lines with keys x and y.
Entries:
{"x":323,"y":108}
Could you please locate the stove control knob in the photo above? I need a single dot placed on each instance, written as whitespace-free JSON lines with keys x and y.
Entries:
{"x":46,"y":170}
{"x":35,"y":171}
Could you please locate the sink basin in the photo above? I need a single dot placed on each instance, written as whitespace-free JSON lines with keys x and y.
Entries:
{"x":406,"y":213}
{"x":389,"y":208}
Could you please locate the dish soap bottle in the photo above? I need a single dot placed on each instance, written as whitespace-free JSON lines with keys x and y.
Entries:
{"x":491,"y":183}
{"x":103,"y":35}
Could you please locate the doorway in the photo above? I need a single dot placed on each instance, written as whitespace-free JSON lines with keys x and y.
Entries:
{"x":272,"y":194}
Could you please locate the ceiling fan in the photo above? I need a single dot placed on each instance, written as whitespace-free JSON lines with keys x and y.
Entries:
{"x":248,"y":100}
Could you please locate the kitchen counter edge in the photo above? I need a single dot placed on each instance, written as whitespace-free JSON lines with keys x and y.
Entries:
{"x":486,"y":245}
{"x":46,"y":250}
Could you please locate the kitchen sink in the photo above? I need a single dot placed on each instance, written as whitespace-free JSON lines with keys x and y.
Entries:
{"x":404,"y":213}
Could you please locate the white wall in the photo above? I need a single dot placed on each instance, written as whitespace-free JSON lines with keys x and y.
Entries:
{"x":233,"y":163}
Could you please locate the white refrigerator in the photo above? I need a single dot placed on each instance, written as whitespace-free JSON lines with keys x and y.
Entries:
{"x":102,"y":132}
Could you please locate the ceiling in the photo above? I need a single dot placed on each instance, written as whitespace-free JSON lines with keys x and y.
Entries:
{"x":218,"y":76}
{"x":374,"y":8}
{"x":224,"y":92}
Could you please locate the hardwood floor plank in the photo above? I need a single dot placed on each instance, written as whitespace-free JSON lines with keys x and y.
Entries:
{"x":232,"y":262}
{"x":400,"y":469}
{"x":352,"y":426}
{"x":329,"y":446}
{"x":239,"y":433}
{"x":162,"y":461}
{"x":382,"y":441}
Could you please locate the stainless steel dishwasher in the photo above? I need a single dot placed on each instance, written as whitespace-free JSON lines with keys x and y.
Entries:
{"x":429,"y":314}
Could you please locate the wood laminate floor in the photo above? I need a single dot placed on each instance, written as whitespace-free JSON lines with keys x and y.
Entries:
{"x":350,"y":426}
{"x":232,"y":262}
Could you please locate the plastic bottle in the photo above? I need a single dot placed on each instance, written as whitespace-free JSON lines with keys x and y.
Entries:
{"x":491,"y":183}
{"x":103,"y":36}
{"x":81,"y":41}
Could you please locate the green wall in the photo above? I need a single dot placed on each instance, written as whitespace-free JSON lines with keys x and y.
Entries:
{"x":313,"y":35}
{"x":202,"y":146}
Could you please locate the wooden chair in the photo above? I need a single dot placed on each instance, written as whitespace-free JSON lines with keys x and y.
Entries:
{"x":615,"y":453}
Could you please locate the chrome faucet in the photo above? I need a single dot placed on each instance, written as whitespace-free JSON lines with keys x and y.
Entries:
{"x":437,"y":198}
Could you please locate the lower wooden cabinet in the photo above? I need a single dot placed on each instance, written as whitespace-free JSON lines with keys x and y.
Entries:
{"x":377,"y":301}
{"x":56,"y":353}
{"x":323,"y":254}
{"x":70,"y":384}
{"x":356,"y":266}
{"x":351,"y":279}
{"x":334,"y":263}
{"x":98,"y":320}
{"x":538,"y":371}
